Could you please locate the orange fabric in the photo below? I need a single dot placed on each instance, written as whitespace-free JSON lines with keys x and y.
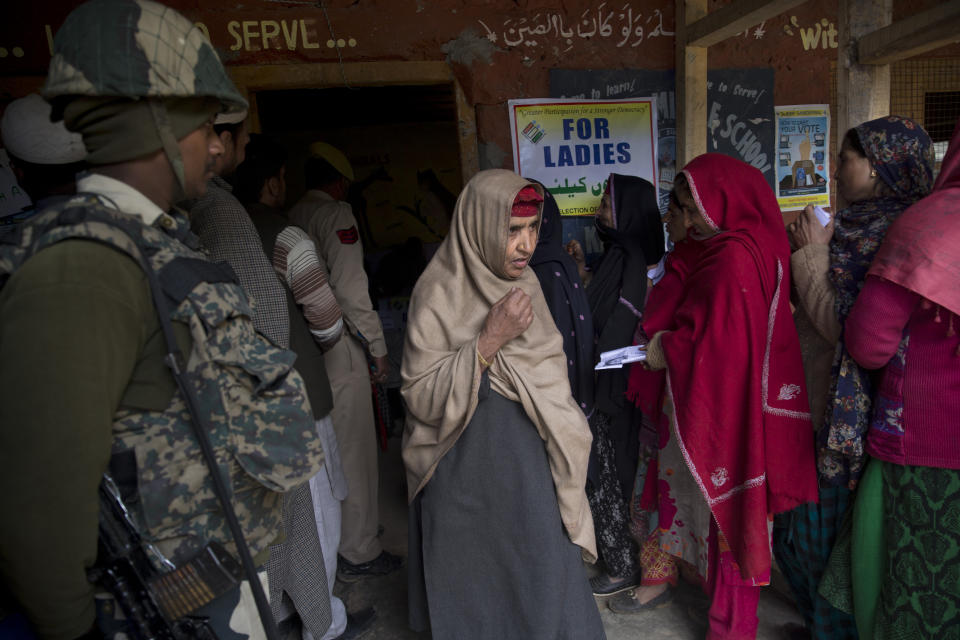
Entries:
{"x":657,"y":566}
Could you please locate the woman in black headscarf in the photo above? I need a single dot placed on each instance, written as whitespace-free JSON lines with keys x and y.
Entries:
{"x":567,"y":300}
{"x":629,"y":225}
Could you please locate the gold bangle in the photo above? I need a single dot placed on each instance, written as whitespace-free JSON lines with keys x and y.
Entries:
{"x":482,"y":360}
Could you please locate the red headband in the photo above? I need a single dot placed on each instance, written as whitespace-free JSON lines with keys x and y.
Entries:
{"x":527,"y":203}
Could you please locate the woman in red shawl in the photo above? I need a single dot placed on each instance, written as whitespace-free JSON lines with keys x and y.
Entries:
{"x":736,"y":446}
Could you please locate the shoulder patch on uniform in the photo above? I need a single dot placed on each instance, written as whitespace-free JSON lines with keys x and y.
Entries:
{"x":348,"y":236}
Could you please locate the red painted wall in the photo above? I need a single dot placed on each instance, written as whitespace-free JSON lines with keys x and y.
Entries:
{"x":498,"y":49}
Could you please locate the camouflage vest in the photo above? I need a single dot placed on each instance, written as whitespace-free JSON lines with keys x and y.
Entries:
{"x":261,"y":426}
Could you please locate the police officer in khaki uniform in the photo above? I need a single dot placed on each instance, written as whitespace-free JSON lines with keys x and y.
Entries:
{"x":330,"y":222}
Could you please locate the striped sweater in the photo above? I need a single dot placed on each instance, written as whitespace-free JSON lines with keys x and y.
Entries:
{"x":295,"y":261}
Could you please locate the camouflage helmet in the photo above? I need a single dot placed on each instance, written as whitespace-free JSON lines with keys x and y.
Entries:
{"x":136,"y":48}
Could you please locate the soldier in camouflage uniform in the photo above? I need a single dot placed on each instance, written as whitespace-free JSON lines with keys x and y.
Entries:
{"x":84,"y":389}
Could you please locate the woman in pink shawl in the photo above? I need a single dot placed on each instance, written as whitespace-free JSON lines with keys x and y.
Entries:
{"x":897,"y":568}
{"x":735,"y":445}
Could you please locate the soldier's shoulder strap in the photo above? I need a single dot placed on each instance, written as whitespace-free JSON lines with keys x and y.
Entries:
{"x":82,"y":216}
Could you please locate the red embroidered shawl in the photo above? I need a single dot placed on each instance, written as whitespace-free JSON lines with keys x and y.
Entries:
{"x":645,"y":388}
{"x":733,"y":363}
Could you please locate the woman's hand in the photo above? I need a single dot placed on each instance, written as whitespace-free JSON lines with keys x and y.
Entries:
{"x":575,"y":251}
{"x":380,"y":369}
{"x":806,"y":229}
{"x":656,"y":360}
{"x":508,"y":318}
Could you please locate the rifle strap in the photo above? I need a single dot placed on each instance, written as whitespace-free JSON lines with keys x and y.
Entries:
{"x":174,"y":360}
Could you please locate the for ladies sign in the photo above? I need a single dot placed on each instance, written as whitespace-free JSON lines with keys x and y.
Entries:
{"x":572,"y":146}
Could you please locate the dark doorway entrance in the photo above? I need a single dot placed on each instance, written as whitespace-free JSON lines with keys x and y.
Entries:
{"x":401,"y":140}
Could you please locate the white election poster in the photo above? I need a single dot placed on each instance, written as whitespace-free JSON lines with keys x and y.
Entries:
{"x":573,"y":145}
{"x":803,"y":155}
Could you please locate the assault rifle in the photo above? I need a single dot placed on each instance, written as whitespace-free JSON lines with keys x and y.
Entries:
{"x":156,"y":604}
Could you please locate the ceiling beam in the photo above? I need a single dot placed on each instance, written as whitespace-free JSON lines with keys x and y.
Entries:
{"x":317,"y":75}
{"x":691,"y":85}
{"x":925,"y":31}
{"x":734,"y":18}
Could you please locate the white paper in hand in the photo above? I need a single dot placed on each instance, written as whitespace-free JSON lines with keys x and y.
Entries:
{"x":822,"y":215}
{"x":618,"y":357}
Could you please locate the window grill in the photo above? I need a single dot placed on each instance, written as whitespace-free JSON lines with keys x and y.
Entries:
{"x":927,"y":90}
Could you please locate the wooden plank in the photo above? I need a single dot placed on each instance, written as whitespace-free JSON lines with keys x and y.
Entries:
{"x":467,"y":134}
{"x":732,"y":19}
{"x":253,"y":111}
{"x":331,"y":74}
{"x":925,"y":31}
{"x":691,"y":96}
{"x":863,"y":91}
{"x":691,"y":104}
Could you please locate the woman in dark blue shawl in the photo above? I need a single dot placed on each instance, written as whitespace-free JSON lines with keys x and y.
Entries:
{"x":601,"y":318}
{"x":567,"y":300}
{"x":630,"y":227}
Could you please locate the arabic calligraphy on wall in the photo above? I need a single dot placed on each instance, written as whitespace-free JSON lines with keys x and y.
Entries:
{"x":624,"y":27}
{"x":757,"y":31}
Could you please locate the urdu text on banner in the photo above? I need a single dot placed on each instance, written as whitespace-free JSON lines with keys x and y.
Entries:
{"x":573,"y":145}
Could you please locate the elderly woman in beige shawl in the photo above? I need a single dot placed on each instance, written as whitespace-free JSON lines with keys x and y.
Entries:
{"x":495,"y":446}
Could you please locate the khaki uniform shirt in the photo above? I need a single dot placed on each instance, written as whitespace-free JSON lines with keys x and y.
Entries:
{"x":334,"y":231}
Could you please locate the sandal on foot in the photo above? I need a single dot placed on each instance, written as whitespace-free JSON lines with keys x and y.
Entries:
{"x":604,"y":585}
{"x":625,"y":602}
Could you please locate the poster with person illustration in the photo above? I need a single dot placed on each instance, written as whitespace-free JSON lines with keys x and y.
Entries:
{"x":803,"y":158}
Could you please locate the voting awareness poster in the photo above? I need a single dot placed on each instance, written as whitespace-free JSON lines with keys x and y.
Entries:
{"x":619,"y":84}
{"x":803,"y":156}
{"x":572,"y":146}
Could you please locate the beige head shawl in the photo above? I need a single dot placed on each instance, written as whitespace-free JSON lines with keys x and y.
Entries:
{"x":441,"y":372}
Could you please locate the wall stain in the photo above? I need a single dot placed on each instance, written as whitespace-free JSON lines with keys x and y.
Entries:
{"x":491,"y":156}
{"x":469,"y":46}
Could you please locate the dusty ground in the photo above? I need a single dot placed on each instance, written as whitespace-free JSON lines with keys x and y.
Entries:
{"x":683,"y":619}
